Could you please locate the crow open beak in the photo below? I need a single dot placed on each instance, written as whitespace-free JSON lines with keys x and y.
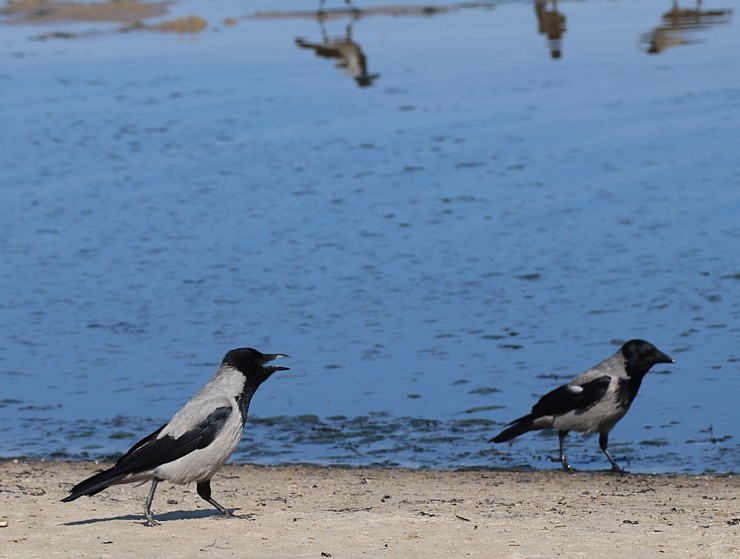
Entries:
{"x":271,"y":357}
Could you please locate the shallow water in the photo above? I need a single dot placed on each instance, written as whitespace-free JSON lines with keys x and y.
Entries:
{"x":434,"y":250}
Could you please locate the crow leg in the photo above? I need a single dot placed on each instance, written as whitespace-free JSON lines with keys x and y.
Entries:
{"x":148,"y":506}
{"x":204,"y":490}
{"x":563,"y":458}
{"x":603,"y":444}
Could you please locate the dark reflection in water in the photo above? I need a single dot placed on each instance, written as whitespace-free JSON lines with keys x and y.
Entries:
{"x":551,"y":24}
{"x":344,"y":50}
{"x":679,"y":23}
{"x":678,"y":27}
{"x":383,"y":439}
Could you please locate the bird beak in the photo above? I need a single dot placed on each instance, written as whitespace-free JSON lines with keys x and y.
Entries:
{"x":272,"y":357}
{"x":661,"y":357}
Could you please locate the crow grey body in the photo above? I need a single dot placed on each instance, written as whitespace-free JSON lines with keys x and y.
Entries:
{"x":594,"y":401}
{"x":199,"y":439}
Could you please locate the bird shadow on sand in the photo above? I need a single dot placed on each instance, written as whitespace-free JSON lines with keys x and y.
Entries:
{"x":165,"y":517}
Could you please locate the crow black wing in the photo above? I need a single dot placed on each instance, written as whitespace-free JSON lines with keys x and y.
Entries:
{"x":151,"y":451}
{"x":572,"y":397}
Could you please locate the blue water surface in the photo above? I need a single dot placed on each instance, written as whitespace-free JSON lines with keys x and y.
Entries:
{"x":434,"y":251}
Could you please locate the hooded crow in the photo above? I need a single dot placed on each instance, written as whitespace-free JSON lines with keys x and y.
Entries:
{"x":198,"y":440}
{"x":594,"y":401}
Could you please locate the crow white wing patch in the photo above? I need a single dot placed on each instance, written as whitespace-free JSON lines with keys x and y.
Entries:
{"x":572,"y":397}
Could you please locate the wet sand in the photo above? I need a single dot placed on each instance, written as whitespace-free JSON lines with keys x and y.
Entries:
{"x":297,"y":511}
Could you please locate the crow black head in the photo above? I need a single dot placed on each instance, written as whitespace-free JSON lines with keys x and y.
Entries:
{"x":640,"y":355}
{"x":252,"y":363}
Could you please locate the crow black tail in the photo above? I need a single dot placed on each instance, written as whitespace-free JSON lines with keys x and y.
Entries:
{"x":95,"y":484}
{"x":515,"y":428}
{"x":139,"y":459}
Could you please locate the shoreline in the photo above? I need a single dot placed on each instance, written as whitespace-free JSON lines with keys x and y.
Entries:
{"x":315,"y":511}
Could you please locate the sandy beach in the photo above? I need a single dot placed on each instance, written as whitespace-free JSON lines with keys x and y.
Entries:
{"x":305,"y":511}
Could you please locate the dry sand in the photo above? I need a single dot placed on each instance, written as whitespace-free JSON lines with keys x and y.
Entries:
{"x":297,"y":511}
